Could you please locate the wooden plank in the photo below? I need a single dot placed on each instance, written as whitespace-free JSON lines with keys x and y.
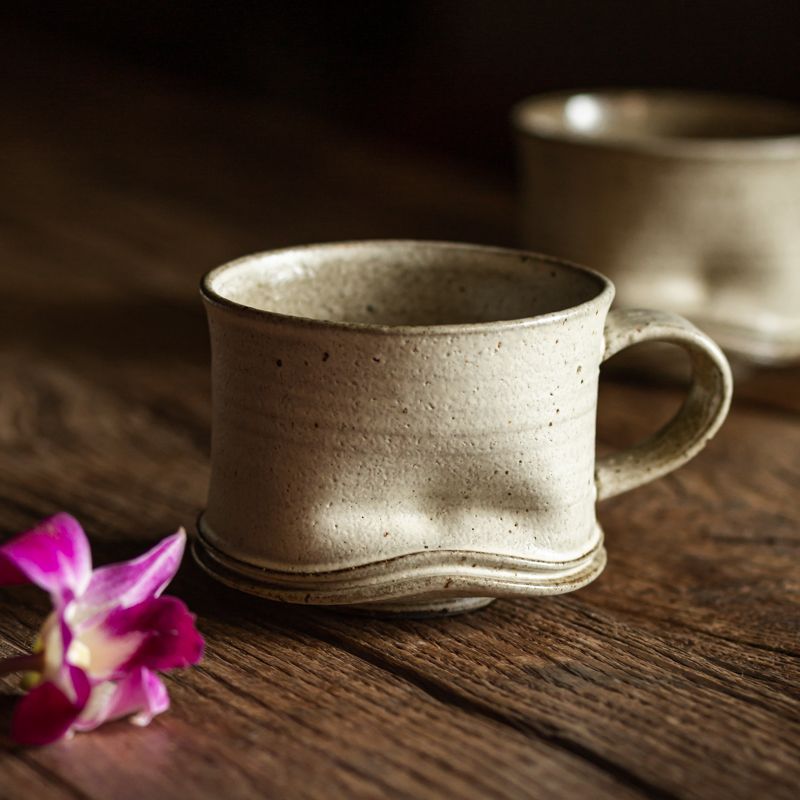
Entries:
{"x":673,"y":676}
{"x":22,"y":778}
{"x":680,"y":665}
{"x":275,"y":712}
{"x":664,"y":716}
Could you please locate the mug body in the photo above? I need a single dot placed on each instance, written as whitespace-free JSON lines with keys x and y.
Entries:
{"x":403,"y":420}
{"x":689,"y":201}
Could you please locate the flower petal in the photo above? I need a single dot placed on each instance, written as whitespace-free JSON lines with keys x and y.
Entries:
{"x":130,"y":582}
{"x":46,"y":713}
{"x":169,"y":639}
{"x":54,"y":555}
{"x":141,"y":693}
{"x":156,"y":698}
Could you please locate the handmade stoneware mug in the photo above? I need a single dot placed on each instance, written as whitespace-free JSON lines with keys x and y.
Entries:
{"x":409,"y":427}
{"x":688,"y":201}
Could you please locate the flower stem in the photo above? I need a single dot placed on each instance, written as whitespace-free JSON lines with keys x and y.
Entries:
{"x":27,"y":663}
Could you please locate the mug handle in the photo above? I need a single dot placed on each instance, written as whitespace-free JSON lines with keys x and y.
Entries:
{"x":698,"y":419}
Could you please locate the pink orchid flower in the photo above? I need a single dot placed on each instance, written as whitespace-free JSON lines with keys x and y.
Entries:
{"x":109,"y":629}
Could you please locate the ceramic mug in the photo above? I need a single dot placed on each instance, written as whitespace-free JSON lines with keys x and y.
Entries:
{"x":409,"y":427}
{"x":688,"y":201}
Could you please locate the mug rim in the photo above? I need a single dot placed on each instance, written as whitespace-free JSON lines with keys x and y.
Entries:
{"x":603,"y":297}
{"x":761,"y":147}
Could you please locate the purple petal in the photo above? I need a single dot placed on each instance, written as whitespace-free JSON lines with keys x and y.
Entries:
{"x":54,"y":555}
{"x":169,"y":638}
{"x":130,"y":582}
{"x":140,"y":692}
{"x":46,"y":713}
{"x":156,"y":698}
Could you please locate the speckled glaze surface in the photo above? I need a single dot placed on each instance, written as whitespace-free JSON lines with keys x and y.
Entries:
{"x":408,"y":427}
{"x":688,"y":201}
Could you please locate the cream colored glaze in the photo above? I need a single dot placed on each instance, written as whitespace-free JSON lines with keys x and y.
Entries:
{"x":416,"y":420}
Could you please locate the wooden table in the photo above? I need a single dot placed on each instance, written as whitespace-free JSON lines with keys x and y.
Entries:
{"x":675,"y":675}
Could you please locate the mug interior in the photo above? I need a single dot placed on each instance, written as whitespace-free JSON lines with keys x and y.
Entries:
{"x":632,"y":114}
{"x":403,"y":284}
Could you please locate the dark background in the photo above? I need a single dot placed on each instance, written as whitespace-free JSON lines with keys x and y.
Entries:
{"x":437,"y":76}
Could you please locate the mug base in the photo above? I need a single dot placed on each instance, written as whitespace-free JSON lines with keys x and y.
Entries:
{"x":439,"y":583}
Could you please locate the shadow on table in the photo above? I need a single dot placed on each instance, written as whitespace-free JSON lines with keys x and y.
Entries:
{"x":7,"y":705}
{"x":143,"y":327}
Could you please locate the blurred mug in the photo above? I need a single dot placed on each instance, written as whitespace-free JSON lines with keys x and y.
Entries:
{"x":409,"y":427}
{"x":688,"y":201}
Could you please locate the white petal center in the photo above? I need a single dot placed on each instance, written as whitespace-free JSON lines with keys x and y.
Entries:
{"x":106,"y":652}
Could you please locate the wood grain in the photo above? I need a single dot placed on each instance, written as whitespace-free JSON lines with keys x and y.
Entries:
{"x":675,"y":675}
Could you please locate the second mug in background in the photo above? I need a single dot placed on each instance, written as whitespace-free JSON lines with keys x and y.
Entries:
{"x":688,"y":201}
